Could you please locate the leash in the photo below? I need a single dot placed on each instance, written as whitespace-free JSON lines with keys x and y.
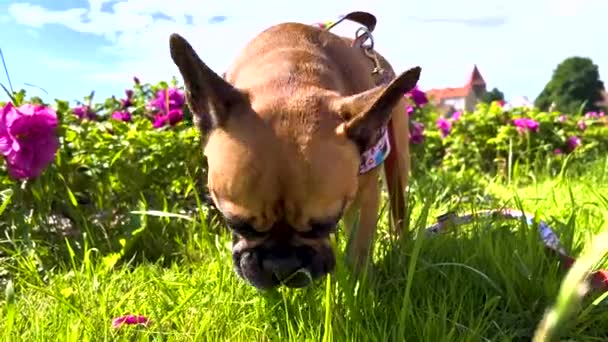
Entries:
{"x":364,"y":40}
{"x":362,"y":35}
{"x":377,"y":154}
{"x":599,"y":279}
{"x":363,"y":18}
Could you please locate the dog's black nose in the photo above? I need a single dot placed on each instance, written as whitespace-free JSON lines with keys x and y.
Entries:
{"x":287,"y":271}
{"x":269,"y":265}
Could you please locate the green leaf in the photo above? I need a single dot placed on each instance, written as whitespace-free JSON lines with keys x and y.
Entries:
{"x":6,"y":201}
{"x":9,"y":293}
{"x":67,"y":292}
{"x":70,"y":193}
{"x":10,"y":95}
{"x":116,"y":156}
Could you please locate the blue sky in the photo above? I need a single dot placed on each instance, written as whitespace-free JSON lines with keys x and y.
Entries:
{"x":70,"y":47}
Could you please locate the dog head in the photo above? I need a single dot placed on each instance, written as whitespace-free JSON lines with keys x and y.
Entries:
{"x":282,"y":168}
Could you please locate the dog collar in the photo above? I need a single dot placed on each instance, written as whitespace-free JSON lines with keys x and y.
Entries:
{"x":376,"y":154}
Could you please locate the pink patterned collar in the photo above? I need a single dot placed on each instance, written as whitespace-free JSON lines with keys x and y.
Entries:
{"x":375,"y":155}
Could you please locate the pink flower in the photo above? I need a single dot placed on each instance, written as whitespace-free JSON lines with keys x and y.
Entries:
{"x":591,"y":115}
{"x":84,"y":112}
{"x":445,"y":126}
{"x":573,"y":142}
{"x":168,"y":103}
{"x":524,"y":124}
{"x":129,"y":320}
{"x":533,"y":125}
{"x":128,"y":101}
{"x":561,"y":118}
{"x":410,"y":110}
{"x":28,"y":140}
{"x":122,"y":116}
{"x":582,"y":125}
{"x":159,"y":121}
{"x":521,"y":124}
{"x":558,"y":151}
{"x":168,"y":99}
{"x":456,"y":115}
{"x":418,"y":96}
{"x":173,"y":118}
{"x":417,"y":133}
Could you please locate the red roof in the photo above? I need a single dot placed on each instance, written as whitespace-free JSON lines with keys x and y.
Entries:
{"x":446,"y":93}
{"x":476,"y":78}
{"x":439,"y":94}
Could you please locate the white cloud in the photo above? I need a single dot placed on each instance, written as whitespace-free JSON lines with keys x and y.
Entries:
{"x":141,"y":40}
{"x":66,"y":64}
{"x":534,"y":38}
{"x":135,"y":34}
{"x":36,"y":16}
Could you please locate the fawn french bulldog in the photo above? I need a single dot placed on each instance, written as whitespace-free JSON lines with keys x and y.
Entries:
{"x":284,"y":134}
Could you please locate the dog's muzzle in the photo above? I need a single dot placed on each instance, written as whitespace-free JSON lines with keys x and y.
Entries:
{"x":273,"y":262}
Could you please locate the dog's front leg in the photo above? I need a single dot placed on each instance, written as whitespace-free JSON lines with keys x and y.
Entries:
{"x":361,"y":220}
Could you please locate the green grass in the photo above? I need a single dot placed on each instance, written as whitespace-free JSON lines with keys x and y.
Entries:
{"x":490,"y":281}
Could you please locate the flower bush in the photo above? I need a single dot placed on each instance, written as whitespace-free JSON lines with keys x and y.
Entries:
{"x":85,"y":168}
{"x":492,"y":136}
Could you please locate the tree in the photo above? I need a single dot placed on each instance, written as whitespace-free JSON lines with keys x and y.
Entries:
{"x":493,"y":95}
{"x":544,"y":101}
{"x":575,"y":83}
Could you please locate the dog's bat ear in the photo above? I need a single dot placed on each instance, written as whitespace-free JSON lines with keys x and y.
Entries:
{"x":210,"y":98}
{"x":369,"y":111}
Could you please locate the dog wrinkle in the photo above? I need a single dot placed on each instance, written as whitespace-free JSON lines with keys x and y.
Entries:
{"x":316,"y":243}
{"x":307,"y":142}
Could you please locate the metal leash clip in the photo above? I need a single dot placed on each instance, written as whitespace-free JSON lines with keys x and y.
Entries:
{"x":363,"y":35}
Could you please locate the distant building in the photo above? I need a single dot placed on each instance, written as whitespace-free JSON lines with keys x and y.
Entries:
{"x":463,"y":98}
{"x":604,"y":102}
{"x":521,"y":101}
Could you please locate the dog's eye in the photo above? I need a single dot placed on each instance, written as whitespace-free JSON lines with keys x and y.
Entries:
{"x":320,"y":230}
{"x":243,"y":228}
